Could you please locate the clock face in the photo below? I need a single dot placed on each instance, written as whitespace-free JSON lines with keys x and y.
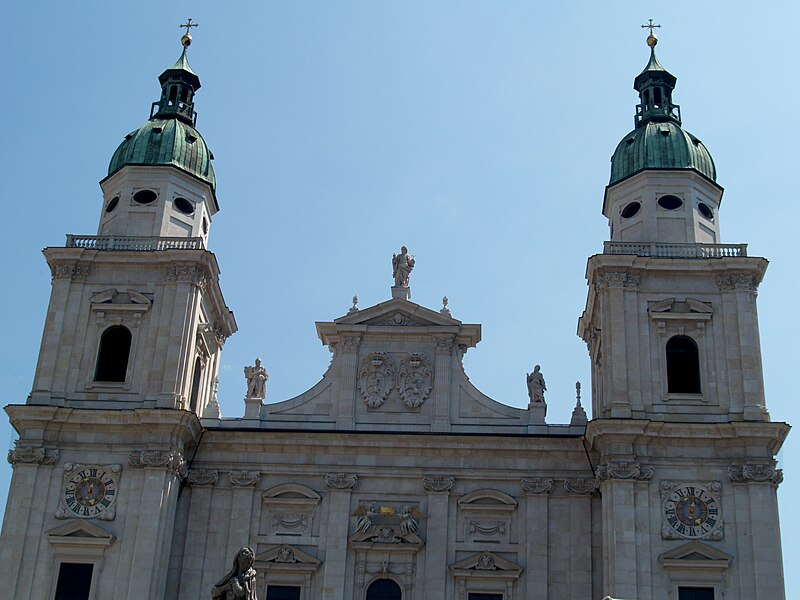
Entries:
{"x":90,"y":491}
{"x":691,"y":511}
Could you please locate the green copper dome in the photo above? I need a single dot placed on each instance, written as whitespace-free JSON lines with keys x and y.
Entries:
{"x":660,"y":145}
{"x":169,"y":137}
{"x":166,"y":142}
{"x":658,"y":141}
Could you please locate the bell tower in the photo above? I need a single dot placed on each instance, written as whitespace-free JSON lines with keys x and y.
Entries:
{"x":680,"y":428}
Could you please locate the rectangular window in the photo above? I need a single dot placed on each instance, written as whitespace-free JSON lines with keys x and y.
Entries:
{"x":695,"y":593}
{"x":74,"y":581}
{"x":486,"y":597}
{"x":283,"y":592}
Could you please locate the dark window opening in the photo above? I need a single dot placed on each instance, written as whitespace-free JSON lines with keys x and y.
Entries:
{"x":173,"y":94}
{"x":695,"y":593}
{"x":631,"y":210}
{"x":112,"y":356}
{"x":198,"y":372}
{"x":145,"y":197}
{"x":706,"y":211}
{"x":486,"y":597}
{"x":683,"y":366}
{"x":74,"y":581}
{"x":183,"y":205}
{"x":646,"y":99}
{"x":112,"y":204}
{"x":384,"y":589}
{"x":670,"y":202}
{"x":657,"y":97}
{"x":283,"y":592}
{"x":205,"y":226}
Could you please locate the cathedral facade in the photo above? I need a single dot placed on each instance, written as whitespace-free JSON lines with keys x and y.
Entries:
{"x":394,"y":477}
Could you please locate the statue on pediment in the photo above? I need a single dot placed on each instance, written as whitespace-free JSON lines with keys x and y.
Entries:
{"x":402,"y":265}
{"x":240,"y":582}
{"x":536,"y":385}
{"x":256,"y":376}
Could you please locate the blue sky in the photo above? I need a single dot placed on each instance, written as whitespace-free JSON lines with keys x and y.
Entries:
{"x":476,"y":133}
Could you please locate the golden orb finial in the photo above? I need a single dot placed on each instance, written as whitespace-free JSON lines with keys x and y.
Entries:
{"x":186,"y":38}
{"x":652,"y":40}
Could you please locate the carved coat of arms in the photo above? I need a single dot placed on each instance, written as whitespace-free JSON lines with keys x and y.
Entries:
{"x":376,"y":378}
{"x":415,"y":379}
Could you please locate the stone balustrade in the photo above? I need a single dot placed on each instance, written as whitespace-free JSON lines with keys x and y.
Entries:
{"x":666,"y":250}
{"x":134,"y":243}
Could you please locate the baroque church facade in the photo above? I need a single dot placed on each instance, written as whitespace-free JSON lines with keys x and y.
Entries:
{"x":394,"y":477}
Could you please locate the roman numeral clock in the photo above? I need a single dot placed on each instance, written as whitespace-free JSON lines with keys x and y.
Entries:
{"x":89,"y":492}
{"x":691,"y":510}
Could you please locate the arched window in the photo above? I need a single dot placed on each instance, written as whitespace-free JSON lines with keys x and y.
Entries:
{"x":198,"y":371}
{"x":683,"y":366}
{"x":112,"y":356}
{"x":384,"y":589}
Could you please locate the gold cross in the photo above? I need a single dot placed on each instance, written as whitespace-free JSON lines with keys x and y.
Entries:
{"x":189,"y":25}
{"x":649,"y":26}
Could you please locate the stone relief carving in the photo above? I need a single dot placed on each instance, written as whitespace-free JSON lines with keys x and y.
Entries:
{"x":756,"y":473}
{"x":616,"y":280}
{"x":486,"y":563}
{"x":202,"y":477}
{"x":73,"y":272}
{"x":415,"y":379}
{"x":244,"y":478}
{"x":402,"y":265}
{"x":580,"y":486}
{"x":240,"y":581}
{"x":398,"y":319}
{"x":488,"y":528}
{"x":536,"y":385}
{"x":376,"y":378}
{"x":171,"y":459}
{"x":348,"y":344}
{"x":438,"y":483}
{"x":387,"y":524}
{"x":737,"y":282}
{"x":537,"y":485}
{"x":624,"y":470}
{"x":256,"y":377}
{"x":195,"y":275}
{"x":290,"y":521}
{"x":341,"y":481}
{"x":38,"y":456}
{"x":285,"y":555}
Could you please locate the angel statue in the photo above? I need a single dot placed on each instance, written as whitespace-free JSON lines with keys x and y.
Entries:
{"x":240,"y":582}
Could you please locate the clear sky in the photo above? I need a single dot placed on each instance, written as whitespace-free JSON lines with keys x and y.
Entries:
{"x":476,"y":133}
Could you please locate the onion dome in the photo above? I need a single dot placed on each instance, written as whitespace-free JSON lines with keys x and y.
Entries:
{"x":169,"y":137}
{"x":658,"y":141}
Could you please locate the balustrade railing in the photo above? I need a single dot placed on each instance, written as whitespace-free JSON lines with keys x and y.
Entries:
{"x":134,"y":243}
{"x":664,"y":250}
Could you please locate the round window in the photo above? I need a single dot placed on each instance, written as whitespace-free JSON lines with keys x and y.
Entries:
{"x":183,"y":205}
{"x":631,"y":210}
{"x":706,"y":211}
{"x":112,"y":204}
{"x":145,"y":197}
{"x":670,"y":202}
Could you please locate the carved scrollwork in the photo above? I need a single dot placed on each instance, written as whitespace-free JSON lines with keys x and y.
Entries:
{"x":290,"y":521}
{"x":73,"y":272}
{"x":580,"y":486}
{"x":537,"y":485}
{"x":172,"y":460}
{"x":415,"y":379}
{"x":438,"y":483}
{"x":737,"y":282}
{"x":376,"y":378}
{"x":617,"y":280}
{"x":38,"y":456}
{"x":244,"y":478}
{"x":192,"y":274}
{"x":755,"y":473}
{"x":488,"y":528}
{"x":624,"y":470}
{"x":341,"y":481}
{"x":202,"y":477}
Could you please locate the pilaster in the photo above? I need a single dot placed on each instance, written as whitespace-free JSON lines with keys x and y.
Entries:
{"x":439,"y":535}
{"x":441,"y":384}
{"x":334,"y":576}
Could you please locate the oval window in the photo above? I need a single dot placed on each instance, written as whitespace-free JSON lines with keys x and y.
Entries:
{"x":145,"y":197}
{"x":183,"y":205}
{"x":670,"y":202}
{"x":112,"y":204}
{"x":706,"y":211}
{"x":631,"y":210}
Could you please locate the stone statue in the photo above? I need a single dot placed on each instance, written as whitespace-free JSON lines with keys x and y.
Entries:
{"x":536,"y":386}
{"x":365,"y":521}
{"x":256,"y":380}
{"x":408,"y":523}
{"x":402,"y":265}
{"x":240,"y":582}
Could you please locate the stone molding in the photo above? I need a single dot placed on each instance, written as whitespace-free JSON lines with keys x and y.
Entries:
{"x":244,"y":478}
{"x":616,"y":280}
{"x":202,"y":478}
{"x":756,"y":473}
{"x":624,"y":470}
{"x":191,"y":274}
{"x":171,"y":460}
{"x":73,"y":272}
{"x":33,"y":456}
{"x":537,"y":485}
{"x":438,"y":483}
{"x":580,"y":486}
{"x":341,"y":481}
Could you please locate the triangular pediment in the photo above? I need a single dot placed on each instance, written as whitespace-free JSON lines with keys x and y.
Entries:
{"x":81,"y":533}
{"x":488,"y":562}
{"x":398,"y":312}
{"x":690,"y":305}
{"x":695,"y":554}
{"x":286,"y":554}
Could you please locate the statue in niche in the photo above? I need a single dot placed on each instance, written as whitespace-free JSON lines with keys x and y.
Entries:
{"x":402,"y":265}
{"x":536,"y":386}
{"x":256,"y":380}
{"x":240,"y":582}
